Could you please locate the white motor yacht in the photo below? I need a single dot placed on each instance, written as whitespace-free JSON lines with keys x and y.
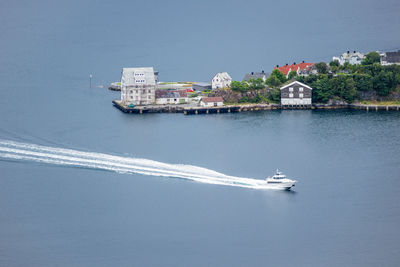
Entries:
{"x":281,"y":181}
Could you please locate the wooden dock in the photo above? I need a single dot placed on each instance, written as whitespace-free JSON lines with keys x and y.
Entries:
{"x":193,"y":110}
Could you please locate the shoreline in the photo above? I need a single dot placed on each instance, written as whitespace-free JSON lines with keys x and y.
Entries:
{"x":243,"y":108}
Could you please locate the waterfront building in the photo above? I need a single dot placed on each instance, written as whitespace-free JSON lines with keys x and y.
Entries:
{"x":221,"y":80}
{"x":164,"y":97}
{"x":256,"y":75}
{"x":212,"y":101}
{"x":303,"y":68}
{"x":390,"y":58}
{"x":351,"y":58}
{"x":296,"y":94}
{"x":138,"y":86}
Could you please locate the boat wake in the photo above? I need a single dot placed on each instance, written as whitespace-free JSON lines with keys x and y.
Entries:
{"x":10,"y":150}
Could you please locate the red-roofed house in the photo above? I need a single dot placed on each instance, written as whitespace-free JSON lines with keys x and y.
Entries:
{"x":301,"y":68}
{"x":212,"y":101}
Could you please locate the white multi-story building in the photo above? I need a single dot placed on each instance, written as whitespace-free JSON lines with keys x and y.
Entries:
{"x":221,"y":80}
{"x":351,"y":58}
{"x":138,"y":86}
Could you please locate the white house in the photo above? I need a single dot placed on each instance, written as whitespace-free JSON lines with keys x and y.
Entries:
{"x":138,"y":86}
{"x":164,"y":97}
{"x":296,"y":94}
{"x":351,"y":58}
{"x":221,"y":80}
{"x":212,"y":101}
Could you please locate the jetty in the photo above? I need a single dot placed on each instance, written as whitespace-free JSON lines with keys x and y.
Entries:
{"x":195,"y":110}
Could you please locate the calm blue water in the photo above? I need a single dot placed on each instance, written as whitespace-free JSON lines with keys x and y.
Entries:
{"x":343,"y":212}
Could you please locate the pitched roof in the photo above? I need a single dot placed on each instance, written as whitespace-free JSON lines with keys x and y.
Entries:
{"x":223,"y":76}
{"x":295,"y":82}
{"x":287,"y":68}
{"x":162,"y":93}
{"x":393,"y":57}
{"x":255,"y":75}
{"x":212,"y":99}
{"x":134,"y":76}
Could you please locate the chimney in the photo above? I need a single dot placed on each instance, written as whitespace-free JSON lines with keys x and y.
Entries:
{"x":294,"y":63}
{"x":303,"y":61}
{"x":262,"y":71}
{"x":286,"y":64}
{"x":354,"y":51}
{"x":348,"y":52}
{"x":252,"y":73}
{"x":277,"y":66}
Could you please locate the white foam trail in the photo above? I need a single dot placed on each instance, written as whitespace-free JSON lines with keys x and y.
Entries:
{"x":60,"y":156}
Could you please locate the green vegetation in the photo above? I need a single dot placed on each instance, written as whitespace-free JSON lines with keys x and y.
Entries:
{"x":322,"y":68}
{"x":251,"y":84}
{"x":292,"y":74}
{"x":334,"y":63}
{"x":371,"y":58}
{"x":381,"y":103}
{"x":275,"y":95}
{"x":276,"y":78}
{"x":193,"y":95}
{"x":348,"y":81}
{"x":256,"y":84}
{"x":239,"y":86}
{"x":257,"y":99}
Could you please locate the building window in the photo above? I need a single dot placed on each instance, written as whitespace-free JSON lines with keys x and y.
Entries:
{"x":149,"y":91}
{"x":131,"y":91}
{"x":291,"y":95}
{"x":131,"y":97}
{"x":301,"y":89}
{"x":144,"y":91}
{"x":301,"y":95}
{"x":290,"y":89}
{"x":149,"y":97}
{"x":137,"y":91}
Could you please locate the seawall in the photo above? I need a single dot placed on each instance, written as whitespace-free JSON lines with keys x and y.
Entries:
{"x":187,"y":110}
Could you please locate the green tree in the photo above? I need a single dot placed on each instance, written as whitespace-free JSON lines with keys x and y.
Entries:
{"x":292,"y":74}
{"x":334,"y":63}
{"x":275,"y":95}
{"x":239,"y":86}
{"x":371,"y":58}
{"x":321,"y":90}
{"x":256,"y":84}
{"x":273,"y":81}
{"x":321,"y":67}
{"x":363,"y":82}
{"x":278,"y":74}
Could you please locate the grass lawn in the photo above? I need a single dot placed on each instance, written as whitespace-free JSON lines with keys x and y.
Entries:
{"x":381,"y":103}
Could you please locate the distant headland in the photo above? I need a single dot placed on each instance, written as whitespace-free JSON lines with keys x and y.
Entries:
{"x":351,"y":80}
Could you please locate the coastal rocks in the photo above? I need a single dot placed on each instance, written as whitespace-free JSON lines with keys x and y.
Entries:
{"x":373,"y":96}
